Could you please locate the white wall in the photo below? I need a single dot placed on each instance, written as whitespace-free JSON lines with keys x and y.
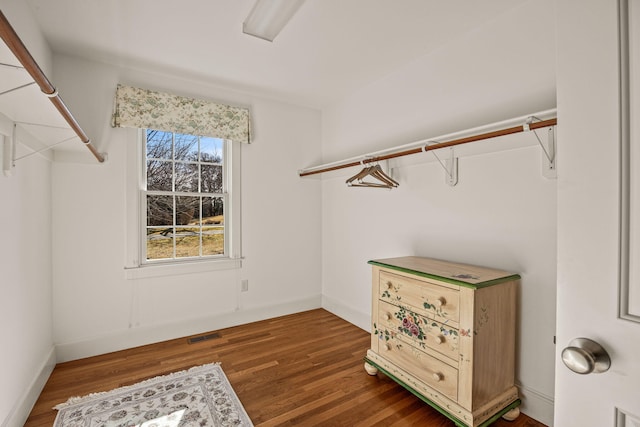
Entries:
{"x":28,"y":355}
{"x":502,"y":213}
{"x":96,"y":309}
{"x":25,"y":306}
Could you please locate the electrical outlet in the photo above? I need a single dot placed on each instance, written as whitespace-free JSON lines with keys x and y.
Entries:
{"x":244,"y":286}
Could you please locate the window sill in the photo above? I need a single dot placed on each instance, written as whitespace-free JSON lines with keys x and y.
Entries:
{"x":176,"y":269}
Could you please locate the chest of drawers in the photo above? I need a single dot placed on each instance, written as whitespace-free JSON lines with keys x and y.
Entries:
{"x":446,"y":332}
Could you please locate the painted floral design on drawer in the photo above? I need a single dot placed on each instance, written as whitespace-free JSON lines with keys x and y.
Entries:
{"x":410,"y":324}
{"x":437,"y":310}
{"x":417,"y":330}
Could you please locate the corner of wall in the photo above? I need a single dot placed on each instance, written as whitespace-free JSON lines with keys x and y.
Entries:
{"x":536,"y":405}
{"x":24,"y":404}
{"x":361,"y":320}
{"x":24,"y":24}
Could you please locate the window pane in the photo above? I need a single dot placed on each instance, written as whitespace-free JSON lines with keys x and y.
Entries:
{"x":160,"y":210}
{"x":187,"y":242}
{"x":187,"y":177}
{"x":158,"y":144}
{"x":184,"y":226}
{"x":186,"y":147}
{"x":211,"y":150}
{"x":211,"y":178}
{"x":159,"y":243}
{"x":187,"y":210}
{"x":212,"y":211}
{"x":159,"y":175}
{"x":212,"y":240}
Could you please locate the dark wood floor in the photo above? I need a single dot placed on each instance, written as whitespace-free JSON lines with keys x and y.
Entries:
{"x":304,"y":369}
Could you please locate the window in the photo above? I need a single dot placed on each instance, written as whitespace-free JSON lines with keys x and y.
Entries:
{"x":183,"y":182}
{"x":184,"y":197}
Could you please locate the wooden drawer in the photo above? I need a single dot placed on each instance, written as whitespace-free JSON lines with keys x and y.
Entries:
{"x":428,"y":299}
{"x":436,"y":374}
{"x":415,"y":329}
{"x":446,"y":331}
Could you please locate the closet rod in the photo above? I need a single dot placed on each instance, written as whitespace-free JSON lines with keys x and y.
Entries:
{"x":425,"y":147}
{"x":20,"y":51}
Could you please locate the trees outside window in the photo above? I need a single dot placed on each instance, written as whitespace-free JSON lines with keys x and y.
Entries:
{"x":184,"y":196}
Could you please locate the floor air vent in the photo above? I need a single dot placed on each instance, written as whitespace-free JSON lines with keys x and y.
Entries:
{"x":201,"y":338}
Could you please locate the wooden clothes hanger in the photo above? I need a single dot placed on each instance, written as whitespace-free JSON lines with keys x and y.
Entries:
{"x":376,"y":172}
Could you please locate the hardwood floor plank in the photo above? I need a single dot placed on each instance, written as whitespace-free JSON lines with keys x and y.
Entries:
{"x":305,"y":369}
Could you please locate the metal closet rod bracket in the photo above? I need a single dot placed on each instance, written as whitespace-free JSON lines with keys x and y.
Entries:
{"x":449,"y":165}
{"x":16,"y":88}
{"x":549,"y":159}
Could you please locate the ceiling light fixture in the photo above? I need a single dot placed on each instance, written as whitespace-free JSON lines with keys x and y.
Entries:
{"x":268,"y":17}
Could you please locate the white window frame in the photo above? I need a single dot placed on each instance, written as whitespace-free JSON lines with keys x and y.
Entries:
{"x":136,"y":265}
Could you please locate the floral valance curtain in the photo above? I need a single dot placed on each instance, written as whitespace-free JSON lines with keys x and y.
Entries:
{"x":142,"y":108}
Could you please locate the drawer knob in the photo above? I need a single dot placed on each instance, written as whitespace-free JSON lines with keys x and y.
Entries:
{"x":389,"y":285}
{"x":437,"y":377}
{"x":439,"y":339}
{"x":386,"y":316}
{"x":386,"y":347}
{"x":440,"y":302}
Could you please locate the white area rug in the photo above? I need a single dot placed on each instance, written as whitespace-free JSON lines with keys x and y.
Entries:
{"x":201,"y":396}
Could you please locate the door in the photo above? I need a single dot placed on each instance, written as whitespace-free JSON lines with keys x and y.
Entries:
{"x":598,"y":283}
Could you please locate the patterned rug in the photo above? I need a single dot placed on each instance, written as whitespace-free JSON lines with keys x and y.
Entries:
{"x":201,"y":396}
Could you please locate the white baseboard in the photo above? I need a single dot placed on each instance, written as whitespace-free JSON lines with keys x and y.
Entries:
{"x":361,"y":320}
{"x":536,"y":405}
{"x":135,"y":337}
{"x":23,"y":406}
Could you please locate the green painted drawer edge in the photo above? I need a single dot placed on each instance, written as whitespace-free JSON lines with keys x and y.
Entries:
{"x":435,"y":406}
{"x":448,"y":279}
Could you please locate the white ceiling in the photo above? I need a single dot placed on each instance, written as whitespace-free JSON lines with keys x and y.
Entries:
{"x":328,"y":50}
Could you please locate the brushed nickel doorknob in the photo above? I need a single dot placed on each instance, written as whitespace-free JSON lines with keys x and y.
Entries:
{"x":585,"y":356}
